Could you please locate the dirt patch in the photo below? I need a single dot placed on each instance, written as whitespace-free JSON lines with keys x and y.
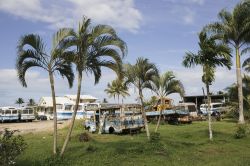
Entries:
{"x":32,"y":127}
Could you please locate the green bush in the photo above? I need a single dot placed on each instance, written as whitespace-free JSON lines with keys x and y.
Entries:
{"x":241,"y":132}
{"x":10,"y":147}
{"x":84,"y":137}
{"x":155,"y":137}
{"x":54,"y":161}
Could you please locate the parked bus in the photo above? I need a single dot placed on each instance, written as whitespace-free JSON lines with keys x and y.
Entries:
{"x":26,"y":114}
{"x":8,"y":114}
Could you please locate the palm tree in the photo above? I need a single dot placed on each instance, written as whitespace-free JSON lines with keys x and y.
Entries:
{"x":234,"y":28}
{"x":19,"y":101}
{"x":32,"y":53}
{"x":163,"y":86}
{"x":140,"y":75}
{"x":117,"y":88}
{"x":95,"y":47}
{"x":212,"y":53}
{"x":31,"y":102}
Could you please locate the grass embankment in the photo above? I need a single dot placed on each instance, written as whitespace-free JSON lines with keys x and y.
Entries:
{"x":179,"y":145}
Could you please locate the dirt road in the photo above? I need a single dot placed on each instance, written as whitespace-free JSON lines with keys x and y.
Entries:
{"x":32,"y":127}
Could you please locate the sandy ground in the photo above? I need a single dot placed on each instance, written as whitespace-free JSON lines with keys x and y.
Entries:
{"x":32,"y":127}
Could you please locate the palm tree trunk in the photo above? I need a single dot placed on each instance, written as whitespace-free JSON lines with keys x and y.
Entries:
{"x":74,"y":114}
{"x":239,"y":85}
{"x":159,"y":119}
{"x":209,"y":114}
{"x":144,"y":114}
{"x":51,"y":78}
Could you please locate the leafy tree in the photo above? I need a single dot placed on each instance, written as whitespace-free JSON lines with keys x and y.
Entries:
{"x":212,"y":53}
{"x":117,"y":88}
{"x":32,"y":53}
{"x":234,"y":28}
{"x":163,"y":86}
{"x":19,"y":101}
{"x":94,"y":47}
{"x":140,"y":75}
{"x":31,"y":102}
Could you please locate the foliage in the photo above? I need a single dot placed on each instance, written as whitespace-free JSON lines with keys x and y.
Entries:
{"x":11,"y":146}
{"x":84,"y":137}
{"x":154,"y":137}
{"x":31,"y":102}
{"x":241,"y":132}
{"x":55,"y":160}
{"x":91,"y":148}
{"x":19,"y":101}
{"x":117,"y":88}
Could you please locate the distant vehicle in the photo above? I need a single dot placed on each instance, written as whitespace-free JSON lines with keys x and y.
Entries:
{"x":26,"y":114}
{"x":42,"y":117}
{"x":167,"y":104}
{"x":188,"y":107}
{"x":215,"y":107}
{"x":8,"y":114}
{"x":90,"y":126}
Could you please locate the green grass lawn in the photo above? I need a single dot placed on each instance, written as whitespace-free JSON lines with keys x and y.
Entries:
{"x":179,"y":145}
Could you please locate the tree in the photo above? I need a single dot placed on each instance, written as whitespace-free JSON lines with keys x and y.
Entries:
{"x":212,"y":54}
{"x":117,"y":88}
{"x":234,"y":28}
{"x":19,"y":101}
{"x":94,"y":47}
{"x":31,"y":102}
{"x":140,"y":75}
{"x":163,"y":86}
{"x":32,"y":53}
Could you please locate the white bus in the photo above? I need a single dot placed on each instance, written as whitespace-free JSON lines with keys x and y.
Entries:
{"x":8,"y":114}
{"x":26,"y":114}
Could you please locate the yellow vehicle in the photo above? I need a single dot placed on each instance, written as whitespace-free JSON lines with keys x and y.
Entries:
{"x":167,"y":104}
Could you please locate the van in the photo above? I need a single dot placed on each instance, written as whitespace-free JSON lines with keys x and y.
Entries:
{"x":215,"y":107}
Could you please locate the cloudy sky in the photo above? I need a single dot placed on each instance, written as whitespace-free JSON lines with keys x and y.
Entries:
{"x":161,"y":30}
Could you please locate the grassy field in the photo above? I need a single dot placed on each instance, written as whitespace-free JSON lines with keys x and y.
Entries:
{"x":179,"y":145}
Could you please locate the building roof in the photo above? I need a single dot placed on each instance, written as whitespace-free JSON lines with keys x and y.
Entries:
{"x":47,"y":101}
{"x":83,"y":97}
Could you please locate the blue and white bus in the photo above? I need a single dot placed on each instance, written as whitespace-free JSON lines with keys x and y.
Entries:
{"x":9,"y":114}
{"x":26,"y":114}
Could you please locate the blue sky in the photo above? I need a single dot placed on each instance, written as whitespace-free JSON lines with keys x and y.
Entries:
{"x":161,"y":30}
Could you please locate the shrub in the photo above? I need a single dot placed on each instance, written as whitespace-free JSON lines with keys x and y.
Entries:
{"x":10,"y":147}
{"x":91,"y":148}
{"x":54,"y":161}
{"x":241,"y":131}
{"x":155,"y":137}
{"x":84,"y":137}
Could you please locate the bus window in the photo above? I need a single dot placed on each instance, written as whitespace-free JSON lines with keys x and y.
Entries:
{"x":14,"y":111}
{"x":30,"y":111}
{"x":7,"y":112}
{"x":68,"y":107}
{"x":59,"y":106}
{"x":25,"y":111}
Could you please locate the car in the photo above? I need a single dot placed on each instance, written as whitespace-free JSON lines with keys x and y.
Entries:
{"x":42,"y":117}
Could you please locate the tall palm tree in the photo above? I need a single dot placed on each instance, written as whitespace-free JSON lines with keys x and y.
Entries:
{"x":234,"y":28}
{"x":32,"y":53}
{"x":117,"y":88}
{"x":163,"y":86}
{"x":31,"y":102}
{"x":140,"y":75}
{"x":212,"y":53}
{"x":19,"y":101}
{"x":94,"y":47}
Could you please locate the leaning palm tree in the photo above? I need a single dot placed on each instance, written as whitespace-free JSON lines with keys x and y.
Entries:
{"x":32,"y":53}
{"x":140,"y":75}
{"x":234,"y":28}
{"x":31,"y":102}
{"x":95,"y":47}
{"x":163,"y":86}
{"x":19,"y":101}
{"x":212,"y":53}
{"x":117,"y":88}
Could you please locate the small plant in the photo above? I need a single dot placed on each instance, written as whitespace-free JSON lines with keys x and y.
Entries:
{"x":91,"y":148}
{"x":10,"y":147}
{"x":241,"y":132}
{"x":155,"y":137}
{"x":84,"y":137}
{"x":54,"y":161}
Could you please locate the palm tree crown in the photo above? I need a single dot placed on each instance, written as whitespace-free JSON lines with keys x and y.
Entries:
{"x":117,"y":88}
{"x":19,"y":101}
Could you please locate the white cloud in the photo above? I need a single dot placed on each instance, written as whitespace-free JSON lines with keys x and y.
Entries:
{"x":118,"y":13}
{"x":200,"y":2}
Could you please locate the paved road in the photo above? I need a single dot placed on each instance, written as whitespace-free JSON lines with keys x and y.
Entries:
{"x":31,"y":127}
